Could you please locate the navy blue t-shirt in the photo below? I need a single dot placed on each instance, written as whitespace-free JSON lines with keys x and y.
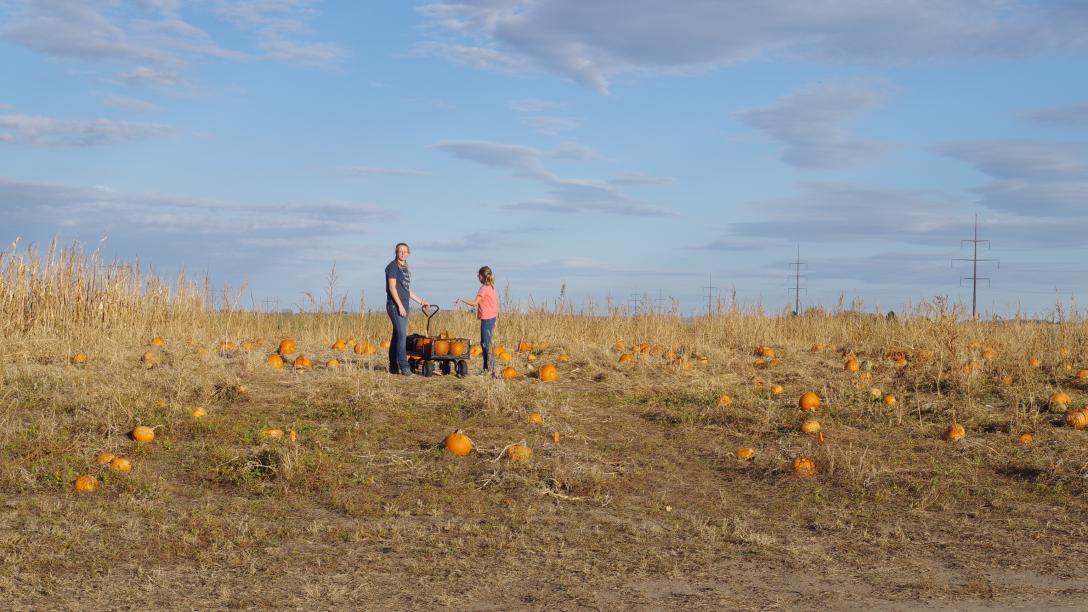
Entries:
{"x":404,"y":277}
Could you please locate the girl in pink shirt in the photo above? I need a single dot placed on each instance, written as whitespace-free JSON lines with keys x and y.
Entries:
{"x":487,"y":311}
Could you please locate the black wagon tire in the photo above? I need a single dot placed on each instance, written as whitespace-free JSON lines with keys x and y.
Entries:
{"x":462,"y":368}
{"x":428,"y":368}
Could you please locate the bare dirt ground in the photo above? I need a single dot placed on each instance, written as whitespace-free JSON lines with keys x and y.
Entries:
{"x":641,"y":505}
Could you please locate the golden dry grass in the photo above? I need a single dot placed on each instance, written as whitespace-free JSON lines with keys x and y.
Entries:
{"x":641,"y":503}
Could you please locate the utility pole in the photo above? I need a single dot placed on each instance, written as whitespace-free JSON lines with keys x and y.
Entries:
{"x":709,"y":292}
{"x":974,"y":278}
{"x":659,"y":303}
{"x":634,"y":303}
{"x":797,"y":288}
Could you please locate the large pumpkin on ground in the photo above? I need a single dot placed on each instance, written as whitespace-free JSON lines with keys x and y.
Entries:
{"x":287,"y":346}
{"x":458,"y":443}
{"x":509,"y":373}
{"x":549,"y":373}
{"x":809,"y":401}
{"x":805,"y":467}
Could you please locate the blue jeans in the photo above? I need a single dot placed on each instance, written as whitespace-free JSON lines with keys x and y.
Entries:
{"x":398,"y":350}
{"x":487,"y":329}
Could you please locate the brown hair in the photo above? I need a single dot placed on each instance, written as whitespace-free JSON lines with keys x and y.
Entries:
{"x":487,"y":277}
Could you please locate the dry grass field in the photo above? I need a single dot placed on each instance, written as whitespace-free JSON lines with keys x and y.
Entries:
{"x":642,"y":503}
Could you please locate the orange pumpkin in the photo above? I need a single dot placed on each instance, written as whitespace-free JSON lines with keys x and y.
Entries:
{"x":458,"y":443}
{"x":274,"y":360}
{"x":810,"y":426}
{"x":1077,"y":419}
{"x":852,"y":365}
{"x":619,"y":345}
{"x":457,"y":348}
{"x":157,"y":341}
{"x":509,"y":373}
{"x":332,"y":364}
{"x":303,"y":362}
{"x":777,"y":390}
{"x":809,"y":401}
{"x":79,"y":358}
{"x":441,"y":347}
{"x":805,"y":467}
{"x":287,"y":347}
{"x":626,"y":358}
{"x":384,"y":344}
{"x":149,"y":360}
{"x":340,"y":344}
{"x":1026,"y":439}
{"x":104,"y":457}
{"x":1082,"y":374}
{"x":724,"y":400}
{"x":476,"y":351}
{"x":745,"y":453}
{"x":524,"y":347}
{"x":143,"y":434}
{"x":564,"y":357}
{"x":549,"y":373}
{"x":889,"y":400}
{"x":86,"y":484}
{"x":519,"y":453}
{"x":535,"y":418}
{"x":1035,"y":362}
{"x":1060,"y":398}
{"x":954,"y":433}
{"x":121,"y":464}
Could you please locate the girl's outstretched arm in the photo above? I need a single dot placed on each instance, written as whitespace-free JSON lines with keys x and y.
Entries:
{"x":473,"y":303}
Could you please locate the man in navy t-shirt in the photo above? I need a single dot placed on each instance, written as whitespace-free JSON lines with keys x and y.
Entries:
{"x":398,"y":298}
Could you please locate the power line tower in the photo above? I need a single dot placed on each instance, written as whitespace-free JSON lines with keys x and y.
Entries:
{"x":797,"y":288}
{"x":659,"y":303}
{"x":634,"y":303}
{"x":974,"y":259}
{"x":709,"y":292}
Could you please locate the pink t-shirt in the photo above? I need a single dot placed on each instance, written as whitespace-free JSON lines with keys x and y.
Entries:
{"x":488,"y":301}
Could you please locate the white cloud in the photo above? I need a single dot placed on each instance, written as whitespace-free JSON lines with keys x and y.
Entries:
{"x":368,"y":171}
{"x":575,"y":151}
{"x":812,"y":124}
{"x":46,"y":131}
{"x":129,"y":104}
{"x":590,"y":42}
{"x":568,"y":195}
{"x":1071,"y":116}
{"x":1030,"y":178}
{"x":552,"y":126}
{"x":533,"y":105}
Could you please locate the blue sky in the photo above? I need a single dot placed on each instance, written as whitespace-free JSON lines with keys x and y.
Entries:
{"x":616,"y":146}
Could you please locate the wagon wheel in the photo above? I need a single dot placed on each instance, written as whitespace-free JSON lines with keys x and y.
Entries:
{"x":445,"y":367}
{"x":462,"y":368}
{"x":428,"y":368}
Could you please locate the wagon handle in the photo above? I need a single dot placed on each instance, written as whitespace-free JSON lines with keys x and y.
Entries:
{"x":434,"y":310}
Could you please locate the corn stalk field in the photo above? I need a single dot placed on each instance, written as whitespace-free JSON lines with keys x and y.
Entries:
{"x":330,"y":487}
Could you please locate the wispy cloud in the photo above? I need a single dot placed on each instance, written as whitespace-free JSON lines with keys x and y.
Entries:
{"x":568,"y":195}
{"x":368,"y":171}
{"x":533,"y":105}
{"x":592,"y":42}
{"x":575,"y":151}
{"x":46,"y":131}
{"x":812,"y":125}
{"x":1069,"y":116}
{"x":129,"y":104}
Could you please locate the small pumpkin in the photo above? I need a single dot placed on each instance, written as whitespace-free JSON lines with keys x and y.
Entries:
{"x":809,"y":401}
{"x":524,"y":347}
{"x":248,"y":345}
{"x":509,"y":373}
{"x":745,"y":453}
{"x":627,"y":358}
{"x":340,"y":344}
{"x":86,"y":484}
{"x":765,"y":351}
{"x":458,"y":443}
{"x":988,"y":354}
{"x":564,"y":357}
{"x":889,"y":400}
{"x":535,"y":418}
{"x":121,"y":464}
{"x":302,"y":362}
{"x":1026,"y":439}
{"x":852,"y":365}
{"x":810,"y":426}
{"x":777,"y":390}
{"x":519,"y":453}
{"x":157,"y":341}
{"x":332,"y":364}
{"x":954,"y":433}
{"x":149,"y":360}
{"x":1082,"y":374}
{"x":530,"y":357}
{"x":272,"y":433}
{"x":1060,"y":398}
{"x":724,"y":400}
{"x":227,"y":345}
{"x":441,"y":347}
{"x":287,"y":347}
{"x":476,"y":351}
{"x":619,"y":345}
{"x":384,"y":344}
{"x":199,"y":412}
{"x":79,"y":358}
{"x":549,"y":373}
{"x":1035,"y":362}
{"x":104,"y":457}
{"x":274,"y":360}
{"x":143,"y":434}
{"x":805,"y":467}
{"x":1077,"y":418}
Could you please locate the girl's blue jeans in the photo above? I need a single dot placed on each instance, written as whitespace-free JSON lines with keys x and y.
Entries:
{"x":487,"y":330}
{"x":398,"y":349}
